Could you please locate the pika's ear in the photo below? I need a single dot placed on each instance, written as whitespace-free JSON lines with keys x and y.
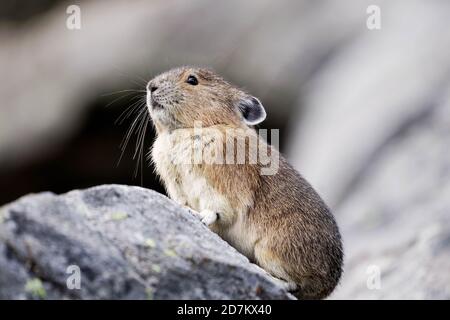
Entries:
{"x":252,"y":110}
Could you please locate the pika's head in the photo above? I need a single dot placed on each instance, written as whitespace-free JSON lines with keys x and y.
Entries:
{"x":183,"y":97}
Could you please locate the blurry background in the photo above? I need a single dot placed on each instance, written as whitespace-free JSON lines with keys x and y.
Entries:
{"x":364,"y":115}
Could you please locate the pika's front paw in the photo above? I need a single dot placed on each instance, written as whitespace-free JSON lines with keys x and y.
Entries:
{"x":209,"y":217}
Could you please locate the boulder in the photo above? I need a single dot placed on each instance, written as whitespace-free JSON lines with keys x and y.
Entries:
{"x":396,"y":222}
{"x":127,"y":243}
{"x":373,"y":139}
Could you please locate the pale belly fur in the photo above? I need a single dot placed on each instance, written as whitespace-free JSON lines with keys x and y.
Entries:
{"x":171,"y":155}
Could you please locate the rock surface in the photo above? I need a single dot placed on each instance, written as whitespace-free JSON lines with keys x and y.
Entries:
{"x":373,"y":139}
{"x":397,"y":218}
{"x":129,"y":243}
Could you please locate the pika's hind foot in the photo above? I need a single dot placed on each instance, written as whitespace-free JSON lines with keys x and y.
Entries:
{"x":286,"y":285}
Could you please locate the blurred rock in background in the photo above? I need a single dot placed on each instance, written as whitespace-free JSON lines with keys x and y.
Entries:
{"x":363,"y":114}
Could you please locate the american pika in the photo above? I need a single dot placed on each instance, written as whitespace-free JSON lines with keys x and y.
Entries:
{"x":277,"y":220}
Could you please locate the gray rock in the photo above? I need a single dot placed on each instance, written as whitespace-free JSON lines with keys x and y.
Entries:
{"x":373,"y":139}
{"x":397,"y":218}
{"x":367,"y":92}
{"x":129,"y":243}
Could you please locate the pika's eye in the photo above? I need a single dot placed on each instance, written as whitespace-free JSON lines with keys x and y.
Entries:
{"x":192,"y":80}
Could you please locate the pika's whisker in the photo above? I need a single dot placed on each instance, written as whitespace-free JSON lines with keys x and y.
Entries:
{"x":140,"y":147}
{"x":121,"y":91}
{"x":139,"y":134}
{"x":133,"y":78}
{"x":121,"y":97}
{"x":129,"y":132}
{"x":129,"y":111}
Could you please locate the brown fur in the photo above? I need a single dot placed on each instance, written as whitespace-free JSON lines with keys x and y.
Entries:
{"x":278,"y":221}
